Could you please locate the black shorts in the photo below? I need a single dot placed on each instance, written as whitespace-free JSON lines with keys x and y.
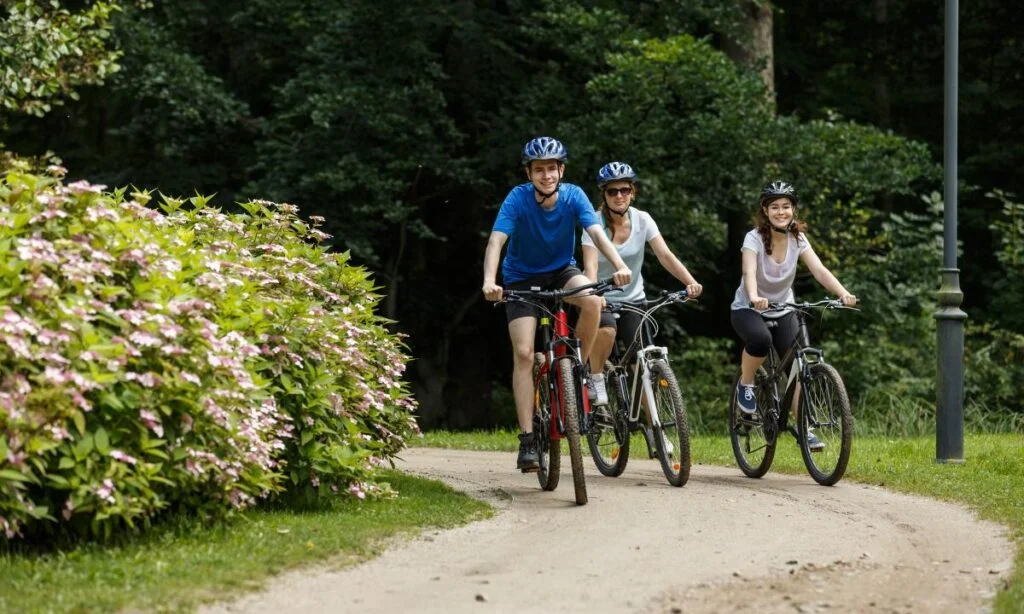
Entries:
{"x":626,"y":327}
{"x":553,"y":280}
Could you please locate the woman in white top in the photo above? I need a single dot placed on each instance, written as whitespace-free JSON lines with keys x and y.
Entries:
{"x":770,"y":255}
{"x":630,"y":230}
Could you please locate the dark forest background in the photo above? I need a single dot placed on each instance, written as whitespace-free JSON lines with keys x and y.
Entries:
{"x":401,"y":123}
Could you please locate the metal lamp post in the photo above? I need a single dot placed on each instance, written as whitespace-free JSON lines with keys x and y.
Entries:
{"x":949,"y":413}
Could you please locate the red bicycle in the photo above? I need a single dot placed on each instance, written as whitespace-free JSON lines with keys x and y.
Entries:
{"x":561,"y":405}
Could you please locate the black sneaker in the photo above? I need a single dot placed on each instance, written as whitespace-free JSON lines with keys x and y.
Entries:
{"x":529,"y":457}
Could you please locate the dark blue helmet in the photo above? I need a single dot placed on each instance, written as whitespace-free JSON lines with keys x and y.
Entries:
{"x":779,"y":189}
{"x":615,"y":171}
{"x":544,"y":148}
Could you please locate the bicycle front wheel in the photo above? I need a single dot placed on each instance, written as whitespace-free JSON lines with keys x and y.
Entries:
{"x":608,"y":435}
{"x":550,"y":449}
{"x":753,"y":442}
{"x":570,"y":407}
{"x":672,"y":434}
{"x":825,"y":411}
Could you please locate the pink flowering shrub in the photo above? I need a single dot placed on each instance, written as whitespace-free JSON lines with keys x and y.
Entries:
{"x":184,"y":358}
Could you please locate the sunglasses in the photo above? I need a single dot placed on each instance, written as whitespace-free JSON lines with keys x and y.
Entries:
{"x":613,"y":192}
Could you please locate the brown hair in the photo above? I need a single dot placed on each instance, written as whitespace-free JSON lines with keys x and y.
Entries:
{"x":603,"y":209}
{"x":764,"y":226}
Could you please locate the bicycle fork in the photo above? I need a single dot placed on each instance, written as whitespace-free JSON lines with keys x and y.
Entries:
{"x":642,"y":378}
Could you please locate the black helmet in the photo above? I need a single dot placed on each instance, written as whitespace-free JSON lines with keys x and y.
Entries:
{"x":779,"y":189}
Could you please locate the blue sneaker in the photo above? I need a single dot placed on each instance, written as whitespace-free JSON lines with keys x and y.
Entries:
{"x":813,"y":443}
{"x":746,"y":398}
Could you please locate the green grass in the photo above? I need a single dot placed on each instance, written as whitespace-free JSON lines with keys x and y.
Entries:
{"x":181,"y":564}
{"x":990,"y":482}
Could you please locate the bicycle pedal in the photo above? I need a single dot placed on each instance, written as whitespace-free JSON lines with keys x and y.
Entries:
{"x":530,"y":469}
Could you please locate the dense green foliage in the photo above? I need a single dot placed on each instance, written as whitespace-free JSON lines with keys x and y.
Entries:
{"x":48,"y":52}
{"x":407,"y":149}
{"x":187,"y":360}
{"x":184,"y":563}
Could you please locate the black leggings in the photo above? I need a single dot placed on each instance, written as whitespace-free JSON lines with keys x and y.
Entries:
{"x":757,"y":338}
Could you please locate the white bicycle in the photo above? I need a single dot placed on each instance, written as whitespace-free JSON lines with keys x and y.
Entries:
{"x":641,"y":379}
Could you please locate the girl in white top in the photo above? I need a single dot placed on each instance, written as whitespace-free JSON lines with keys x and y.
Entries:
{"x":770,"y":255}
{"x":630,"y":230}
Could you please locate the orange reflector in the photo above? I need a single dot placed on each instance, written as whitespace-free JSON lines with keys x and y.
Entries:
{"x":663,"y":383}
{"x":676,"y":467}
{"x":615,"y":453}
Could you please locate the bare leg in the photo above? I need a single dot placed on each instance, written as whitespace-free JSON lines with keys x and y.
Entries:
{"x":602,"y":348}
{"x":748,"y":368}
{"x":590,"y":316}
{"x":522,"y":331}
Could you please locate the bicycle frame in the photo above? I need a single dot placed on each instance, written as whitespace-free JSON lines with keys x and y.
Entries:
{"x":559,"y":344}
{"x":799,"y":358}
{"x":641,"y":373}
{"x":642,"y":380}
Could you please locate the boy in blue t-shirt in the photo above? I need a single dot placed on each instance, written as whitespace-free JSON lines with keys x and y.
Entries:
{"x":539,"y":219}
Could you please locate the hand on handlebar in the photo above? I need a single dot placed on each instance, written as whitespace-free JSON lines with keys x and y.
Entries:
{"x":622,"y":276}
{"x":848,"y":300}
{"x":694,"y":290}
{"x":492,"y":291}
{"x":759,"y":303}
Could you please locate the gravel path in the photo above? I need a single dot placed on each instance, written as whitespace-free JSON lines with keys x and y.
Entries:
{"x":721,"y":543}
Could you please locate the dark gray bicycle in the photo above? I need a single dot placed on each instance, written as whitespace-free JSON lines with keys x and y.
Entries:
{"x":823,"y":406}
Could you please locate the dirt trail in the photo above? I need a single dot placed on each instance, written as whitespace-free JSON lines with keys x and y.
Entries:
{"x":722,"y":543}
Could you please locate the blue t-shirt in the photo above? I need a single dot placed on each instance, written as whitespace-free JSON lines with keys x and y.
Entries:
{"x":541,"y":240}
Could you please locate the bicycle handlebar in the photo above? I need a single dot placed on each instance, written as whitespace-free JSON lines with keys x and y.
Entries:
{"x":598,"y":287}
{"x":828,"y":303}
{"x":680,"y":296}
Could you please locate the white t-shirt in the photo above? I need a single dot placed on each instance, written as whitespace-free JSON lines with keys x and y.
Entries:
{"x":774,"y":279}
{"x":641,"y":230}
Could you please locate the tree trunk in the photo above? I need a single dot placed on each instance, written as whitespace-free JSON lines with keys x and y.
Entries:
{"x":879,"y":67}
{"x":757,"y":50}
{"x":394,"y":266}
{"x":757,"y":53}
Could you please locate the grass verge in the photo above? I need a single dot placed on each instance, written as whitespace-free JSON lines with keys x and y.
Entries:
{"x":182,"y":564}
{"x":991,"y":482}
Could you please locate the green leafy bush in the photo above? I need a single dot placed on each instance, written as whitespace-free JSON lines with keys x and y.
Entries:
{"x":187,"y":359}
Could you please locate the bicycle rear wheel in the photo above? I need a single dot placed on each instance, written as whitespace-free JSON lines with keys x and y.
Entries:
{"x":608,"y":435}
{"x":672,"y":434}
{"x":825,"y":407}
{"x":753,"y":441}
{"x":550,"y":449}
{"x":570,"y":407}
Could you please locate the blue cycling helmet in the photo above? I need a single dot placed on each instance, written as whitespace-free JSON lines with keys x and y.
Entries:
{"x":615,"y":171}
{"x":544,"y":148}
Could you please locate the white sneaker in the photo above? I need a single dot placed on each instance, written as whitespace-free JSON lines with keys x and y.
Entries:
{"x":596,"y":390}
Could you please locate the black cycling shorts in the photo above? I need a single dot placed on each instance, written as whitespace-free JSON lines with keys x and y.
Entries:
{"x":553,"y":280}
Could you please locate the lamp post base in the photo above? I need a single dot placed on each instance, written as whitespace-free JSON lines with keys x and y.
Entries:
{"x":949,"y":410}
